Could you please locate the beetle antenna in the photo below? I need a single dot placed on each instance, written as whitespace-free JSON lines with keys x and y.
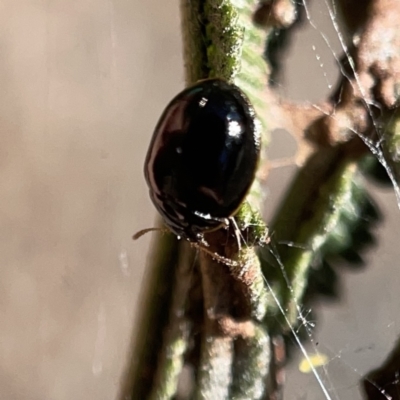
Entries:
{"x":142,"y":232}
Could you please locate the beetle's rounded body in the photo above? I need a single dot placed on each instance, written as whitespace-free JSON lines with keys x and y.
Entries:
{"x":203,"y":157}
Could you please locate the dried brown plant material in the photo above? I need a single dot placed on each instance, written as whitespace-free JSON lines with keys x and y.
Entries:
{"x":278,"y":14}
{"x":378,"y":56}
{"x":371,"y":84}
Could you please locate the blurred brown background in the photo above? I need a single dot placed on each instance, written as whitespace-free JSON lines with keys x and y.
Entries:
{"x":82,"y":84}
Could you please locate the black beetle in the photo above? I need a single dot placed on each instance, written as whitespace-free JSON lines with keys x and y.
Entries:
{"x":203,"y":157}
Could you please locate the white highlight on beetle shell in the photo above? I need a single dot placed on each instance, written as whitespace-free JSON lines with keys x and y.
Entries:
{"x":203,"y":101}
{"x":234,"y":129}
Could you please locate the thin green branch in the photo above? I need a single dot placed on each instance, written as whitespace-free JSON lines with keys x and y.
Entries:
{"x":176,"y":336}
{"x":315,"y":219}
{"x":156,"y":298}
{"x":215,"y":367}
{"x":251,"y":366}
{"x":213,"y":35}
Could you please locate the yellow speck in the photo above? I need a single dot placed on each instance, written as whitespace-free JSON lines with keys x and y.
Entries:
{"x":314,"y":361}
